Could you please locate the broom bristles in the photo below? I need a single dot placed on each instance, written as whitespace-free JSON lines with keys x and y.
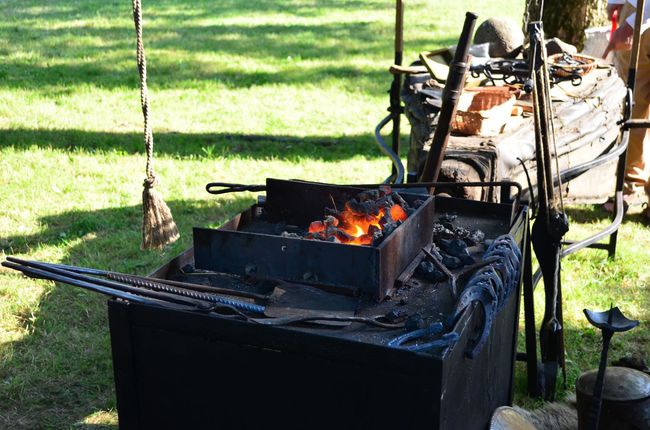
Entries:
{"x":158,"y":226}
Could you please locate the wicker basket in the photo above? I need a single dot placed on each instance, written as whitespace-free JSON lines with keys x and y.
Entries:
{"x":483,"y":111}
{"x":565,"y":70}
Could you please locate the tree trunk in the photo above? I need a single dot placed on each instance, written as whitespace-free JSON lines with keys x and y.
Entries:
{"x":568,"y":19}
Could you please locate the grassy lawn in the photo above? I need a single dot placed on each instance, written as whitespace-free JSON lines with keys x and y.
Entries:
{"x":240,"y":91}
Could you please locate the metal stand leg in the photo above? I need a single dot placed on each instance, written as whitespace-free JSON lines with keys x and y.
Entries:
{"x":395,"y":104}
{"x":532,"y":371}
{"x":620,"y":182}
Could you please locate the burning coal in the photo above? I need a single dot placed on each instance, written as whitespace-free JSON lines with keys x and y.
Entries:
{"x":364,"y":220}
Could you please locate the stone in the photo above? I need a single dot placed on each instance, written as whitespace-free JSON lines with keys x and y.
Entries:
{"x":504,"y":36}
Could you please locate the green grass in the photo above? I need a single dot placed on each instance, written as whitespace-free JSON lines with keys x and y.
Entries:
{"x":239,"y":91}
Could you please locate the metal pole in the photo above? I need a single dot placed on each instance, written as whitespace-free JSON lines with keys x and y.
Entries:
{"x":636,"y":45}
{"x":532,"y":371}
{"x":395,"y":103}
{"x":631,"y":83}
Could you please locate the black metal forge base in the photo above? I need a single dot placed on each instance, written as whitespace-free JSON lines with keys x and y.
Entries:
{"x":180,"y":369}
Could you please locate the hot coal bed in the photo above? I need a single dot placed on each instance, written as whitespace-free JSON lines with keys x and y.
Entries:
{"x":431,"y":357}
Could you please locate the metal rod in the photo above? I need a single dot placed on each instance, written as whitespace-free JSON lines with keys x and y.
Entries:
{"x":395,"y":103}
{"x":235,"y":188}
{"x":636,"y":45}
{"x":534,"y":389}
{"x":454,"y":277}
{"x":601,"y":234}
{"x":111,"y":292}
{"x":157,"y":286}
{"x":631,"y":84}
{"x":590,"y":241}
{"x":550,"y":225}
{"x":597,"y":394}
{"x":636,"y":123}
{"x":186,"y":285}
{"x":150,"y":289}
{"x":577,"y":170}
{"x":398,"y":167}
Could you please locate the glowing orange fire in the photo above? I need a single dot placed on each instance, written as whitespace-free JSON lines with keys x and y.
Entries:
{"x":353,"y":227}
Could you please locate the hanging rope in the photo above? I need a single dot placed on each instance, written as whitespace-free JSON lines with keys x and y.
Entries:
{"x":158,"y":226}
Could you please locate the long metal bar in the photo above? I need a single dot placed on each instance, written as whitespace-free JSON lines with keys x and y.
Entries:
{"x":151,"y":289}
{"x":395,"y":103}
{"x":236,"y":188}
{"x":549,"y":227}
{"x":636,"y":45}
{"x":186,"y":285}
{"x":532,"y":370}
{"x":631,"y":85}
{"x":92,"y":286}
{"x":636,"y":123}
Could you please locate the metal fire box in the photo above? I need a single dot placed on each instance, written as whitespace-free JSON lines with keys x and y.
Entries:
{"x":248,"y":245}
{"x":181,"y":369}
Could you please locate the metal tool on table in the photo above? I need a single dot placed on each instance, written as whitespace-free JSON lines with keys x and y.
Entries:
{"x":509,"y":71}
{"x":454,"y":277}
{"x":426,"y":333}
{"x":517,"y":72}
{"x":289,"y":304}
{"x":288,"y":300}
{"x":488,"y":288}
{"x":201,"y":301}
{"x":217,"y":188}
{"x":609,"y":322}
{"x":483,"y":294}
{"x":450,"y":96}
{"x":327,"y":319}
{"x":551,"y":224}
{"x":142,"y":281}
{"x":125,"y":292}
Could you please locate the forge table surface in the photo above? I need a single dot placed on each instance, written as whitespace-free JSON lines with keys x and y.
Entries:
{"x":432,"y":301}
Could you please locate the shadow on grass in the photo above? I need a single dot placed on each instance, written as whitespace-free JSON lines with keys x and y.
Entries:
{"x":178,"y":10}
{"x":187,"y":43}
{"x":586,"y":214}
{"x":61,"y":372}
{"x":259,"y":147}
